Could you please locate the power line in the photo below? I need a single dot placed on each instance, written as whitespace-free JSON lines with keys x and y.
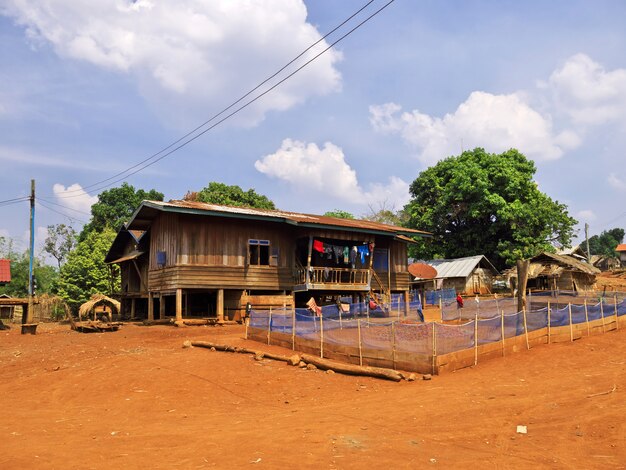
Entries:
{"x":69,"y":217}
{"x":16,"y":200}
{"x":64,"y":207}
{"x":153,"y":158}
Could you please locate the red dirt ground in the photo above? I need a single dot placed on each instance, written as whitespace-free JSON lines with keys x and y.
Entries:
{"x":136,"y":399}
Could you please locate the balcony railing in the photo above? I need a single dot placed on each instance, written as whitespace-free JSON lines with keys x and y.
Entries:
{"x":323,"y":278}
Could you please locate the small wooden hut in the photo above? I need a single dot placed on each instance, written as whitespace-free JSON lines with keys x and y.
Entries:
{"x":551,"y":271}
{"x":99,"y":305}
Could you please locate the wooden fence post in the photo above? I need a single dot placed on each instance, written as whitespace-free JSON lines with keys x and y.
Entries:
{"x":293,"y":330}
{"x":525,"y":328}
{"x":549,"y":322}
{"x":571,"y":328}
{"x":616,"y":316}
{"x":502,"y":330}
{"x":322,"y":335}
{"x":587,"y":319}
{"x":476,"y":339}
{"x":393,"y":343}
{"x":269,"y":326}
{"x":358,"y":326}
{"x":434,"y":347}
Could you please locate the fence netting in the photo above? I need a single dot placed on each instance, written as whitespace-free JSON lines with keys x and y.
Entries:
{"x":486,"y":322}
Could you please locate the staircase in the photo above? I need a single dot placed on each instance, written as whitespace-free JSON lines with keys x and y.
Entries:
{"x":381,"y":294}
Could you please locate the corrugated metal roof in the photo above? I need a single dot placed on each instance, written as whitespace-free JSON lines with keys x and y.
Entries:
{"x":295,"y":218}
{"x":5,"y":271}
{"x":460,"y":267}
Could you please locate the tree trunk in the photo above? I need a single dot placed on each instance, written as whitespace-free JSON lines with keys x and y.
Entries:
{"x":351,"y":369}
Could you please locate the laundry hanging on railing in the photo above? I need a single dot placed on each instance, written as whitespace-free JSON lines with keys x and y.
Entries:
{"x":344,"y":254}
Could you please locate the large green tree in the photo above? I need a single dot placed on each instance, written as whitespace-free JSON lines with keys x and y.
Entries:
{"x":84,"y":273}
{"x":484,"y":203}
{"x":340,"y":214}
{"x":223,"y":194}
{"x":115,"y":206}
{"x":606,"y":242}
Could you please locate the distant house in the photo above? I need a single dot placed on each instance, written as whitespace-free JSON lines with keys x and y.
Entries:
{"x":621,"y":251}
{"x":468,"y":276}
{"x":552,"y":271}
{"x":192,"y":259}
{"x":605,"y":263}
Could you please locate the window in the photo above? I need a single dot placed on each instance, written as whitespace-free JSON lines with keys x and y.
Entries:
{"x":259,"y":252}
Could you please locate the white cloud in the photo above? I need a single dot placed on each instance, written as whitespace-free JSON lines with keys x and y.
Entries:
{"x":75,"y":198}
{"x":616,"y":183}
{"x":586,"y":215}
{"x":188,"y":55}
{"x":326,"y":172}
{"x":495,"y":122}
{"x":588,"y":93}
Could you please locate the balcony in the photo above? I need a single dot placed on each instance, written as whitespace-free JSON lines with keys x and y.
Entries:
{"x":318,"y":278}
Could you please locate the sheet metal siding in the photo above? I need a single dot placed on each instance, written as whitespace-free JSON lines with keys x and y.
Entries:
{"x":462,"y":267}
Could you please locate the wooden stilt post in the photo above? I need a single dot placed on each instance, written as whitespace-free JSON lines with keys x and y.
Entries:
{"x":322,"y":335}
{"x":525,"y":328}
{"x":179,"y":304}
{"x":476,"y":339}
{"x":358,"y":327}
{"x":434,"y":347}
{"x":602,"y":313}
{"x":587,"y":319}
{"x":571,"y":328}
{"x":549,"y":322}
{"x":150,"y":307}
{"x":502,"y":330}
{"x":269,"y":326}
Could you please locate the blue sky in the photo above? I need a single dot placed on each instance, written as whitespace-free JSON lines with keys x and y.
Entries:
{"x":88,"y":89}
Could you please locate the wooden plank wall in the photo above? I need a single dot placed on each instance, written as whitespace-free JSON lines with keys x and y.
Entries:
{"x":221,"y":277}
{"x":216,"y":241}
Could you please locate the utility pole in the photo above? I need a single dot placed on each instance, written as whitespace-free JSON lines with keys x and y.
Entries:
{"x":29,"y":314}
{"x":587,"y":241}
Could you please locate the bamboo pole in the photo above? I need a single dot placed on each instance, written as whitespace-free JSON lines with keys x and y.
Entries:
{"x":393,"y":343}
{"x":525,"y":328}
{"x":602,"y":313}
{"x":358,"y":326}
{"x":340,"y":310}
{"x":587,"y":319}
{"x":476,"y":339}
{"x":549,"y":322}
{"x":245,"y":322}
{"x":293,"y":330}
{"x":322,"y":335}
{"x":571,"y":328}
{"x":502,"y":330}
{"x":269,"y":326}
{"x":434,"y":347}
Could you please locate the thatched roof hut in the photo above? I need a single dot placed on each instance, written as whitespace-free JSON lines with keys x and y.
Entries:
{"x":96,"y":301}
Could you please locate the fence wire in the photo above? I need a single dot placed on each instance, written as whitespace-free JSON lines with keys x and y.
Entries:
{"x":358,"y":327}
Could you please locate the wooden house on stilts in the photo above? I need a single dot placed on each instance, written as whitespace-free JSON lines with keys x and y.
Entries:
{"x":187,"y":259}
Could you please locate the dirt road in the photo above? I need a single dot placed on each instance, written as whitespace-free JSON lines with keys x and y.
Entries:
{"x":136,"y":399}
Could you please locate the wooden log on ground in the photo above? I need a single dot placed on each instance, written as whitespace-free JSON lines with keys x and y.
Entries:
{"x":350,"y":369}
{"x":292,"y":360}
{"x":165,"y":321}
